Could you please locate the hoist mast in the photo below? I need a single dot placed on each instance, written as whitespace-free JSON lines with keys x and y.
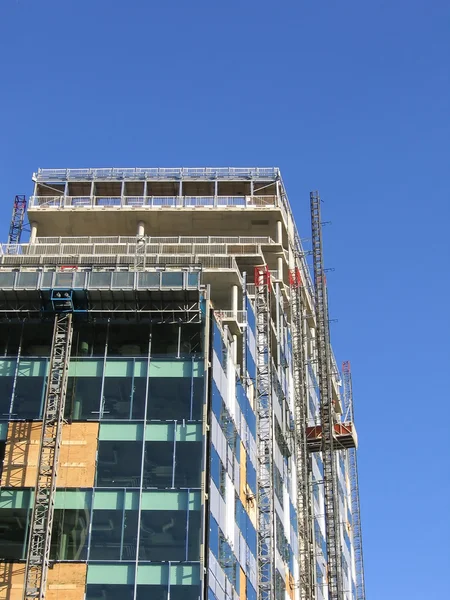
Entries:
{"x":327,"y":411}
{"x":38,"y":554}
{"x":304,"y":507}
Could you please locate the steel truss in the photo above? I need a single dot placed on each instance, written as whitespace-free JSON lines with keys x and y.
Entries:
{"x":266,"y":529}
{"x":354,"y":487}
{"x":327,"y":413}
{"x":16,"y":226}
{"x":304,"y":506}
{"x":38,"y":554}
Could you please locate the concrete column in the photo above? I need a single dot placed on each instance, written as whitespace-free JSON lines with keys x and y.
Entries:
{"x":235,"y":343}
{"x":141,"y":228}
{"x":33,"y":232}
{"x":279,"y":236}
{"x":280,"y":267}
{"x":234,"y":299}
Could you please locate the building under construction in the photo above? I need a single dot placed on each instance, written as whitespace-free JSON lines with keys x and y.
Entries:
{"x":172,"y":421}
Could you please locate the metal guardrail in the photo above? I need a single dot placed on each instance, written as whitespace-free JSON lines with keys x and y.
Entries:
{"x":229,"y":315}
{"x":220,"y":202}
{"x":154,"y":240}
{"x":158,"y":173}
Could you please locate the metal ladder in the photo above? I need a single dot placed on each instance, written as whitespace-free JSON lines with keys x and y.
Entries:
{"x":266,"y":529}
{"x":38,"y":554}
{"x":354,"y":488}
{"x":304,"y":506}
{"x":327,"y":416}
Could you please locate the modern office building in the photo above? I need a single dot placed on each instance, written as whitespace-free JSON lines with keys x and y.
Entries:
{"x":172,"y":425}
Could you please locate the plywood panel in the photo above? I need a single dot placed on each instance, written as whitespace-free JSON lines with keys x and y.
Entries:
{"x":242,"y":585}
{"x":12,"y":576}
{"x":290,"y":587}
{"x":65,"y":581}
{"x":77,"y":455}
{"x":76,"y":459}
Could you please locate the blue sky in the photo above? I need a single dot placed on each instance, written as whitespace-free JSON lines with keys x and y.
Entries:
{"x":351,"y":98}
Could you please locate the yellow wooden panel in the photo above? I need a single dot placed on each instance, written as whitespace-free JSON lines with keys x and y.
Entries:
{"x":243,"y":585}
{"x":77,"y":455}
{"x":290,"y":584}
{"x":243,"y":475}
{"x":76,"y":458}
{"x":66,"y":582}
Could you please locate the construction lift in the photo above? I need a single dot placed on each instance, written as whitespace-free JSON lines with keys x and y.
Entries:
{"x":354,"y":487}
{"x":38,"y":554}
{"x":327,"y":410}
{"x":266,"y":523}
{"x":304,"y":507}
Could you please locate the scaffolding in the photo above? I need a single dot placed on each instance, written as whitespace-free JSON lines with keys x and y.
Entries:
{"x":38,"y":554}
{"x":266,"y":529}
{"x":17,"y":219}
{"x":354,"y":487}
{"x":327,"y":412}
{"x":304,"y":507}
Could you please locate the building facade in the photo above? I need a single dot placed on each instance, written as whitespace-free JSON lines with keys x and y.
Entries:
{"x":176,"y":466}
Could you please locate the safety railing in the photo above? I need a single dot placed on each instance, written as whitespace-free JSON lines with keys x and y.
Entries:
{"x":240,"y":316}
{"x":121,"y":239}
{"x":219,"y":202}
{"x":158,"y":173}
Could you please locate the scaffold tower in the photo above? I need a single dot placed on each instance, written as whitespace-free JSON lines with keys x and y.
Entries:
{"x":327,"y":412}
{"x":17,"y":219}
{"x":354,"y":487}
{"x":266,"y":530}
{"x":304,"y":507}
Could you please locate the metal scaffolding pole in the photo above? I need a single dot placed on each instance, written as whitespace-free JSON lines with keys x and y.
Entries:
{"x":327,"y":414}
{"x":354,"y":487}
{"x":304,"y":506}
{"x":266,"y":529}
{"x":38,"y":554}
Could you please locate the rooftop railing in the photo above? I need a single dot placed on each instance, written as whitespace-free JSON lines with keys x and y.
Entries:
{"x":232,"y":173}
{"x":154,"y":201}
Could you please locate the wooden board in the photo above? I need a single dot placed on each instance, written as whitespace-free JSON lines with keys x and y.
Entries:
{"x":76,"y":459}
{"x":66,"y":581}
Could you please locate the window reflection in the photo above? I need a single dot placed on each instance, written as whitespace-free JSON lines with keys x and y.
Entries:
{"x":70,"y":534}
{"x":163,"y":469}
{"x":13,"y":527}
{"x":119,"y":464}
{"x":6,"y":387}
{"x":83,"y":398}
{"x":173,"y":398}
{"x":28,"y":398}
{"x":110,"y":592}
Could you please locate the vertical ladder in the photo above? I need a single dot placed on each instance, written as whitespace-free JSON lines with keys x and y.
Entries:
{"x":38,"y":555}
{"x":304,"y":507}
{"x":140,"y":253}
{"x":266,"y":529}
{"x":327,"y":416}
{"x":354,"y":488}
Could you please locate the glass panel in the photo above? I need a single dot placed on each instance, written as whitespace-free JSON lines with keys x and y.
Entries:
{"x":6,"y":386}
{"x":70,"y":534}
{"x":63,"y":280}
{"x":191,"y":339}
{"x":184,"y":592}
{"x":13,"y":527}
{"x":109,"y":592}
{"x":123,"y":280}
{"x":148,"y":280}
{"x":106,"y":535}
{"x":119,"y":464}
{"x":117,"y":397}
{"x":163,"y":535}
{"x":159,"y":464}
{"x":29,"y":391}
{"x":130,"y":535}
{"x":83,"y":398}
{"x":27,"y":280}
{"x":172,"y":279}
{"x":173,"y":398}
{"x":7,"y":280}
{"x":99,"y":280}
{"x":193,"y":279}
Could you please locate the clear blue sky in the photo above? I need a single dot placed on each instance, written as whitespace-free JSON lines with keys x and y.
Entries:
{"x":351,"y":98}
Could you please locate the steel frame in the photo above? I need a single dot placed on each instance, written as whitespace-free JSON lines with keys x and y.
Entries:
{"x":327,"y":413}
{"x":304,"y":505}
{"x":16,"y":226}
{"x":354,"y":488}
{"x":38,"y":554}
{"x":266,"y":529}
